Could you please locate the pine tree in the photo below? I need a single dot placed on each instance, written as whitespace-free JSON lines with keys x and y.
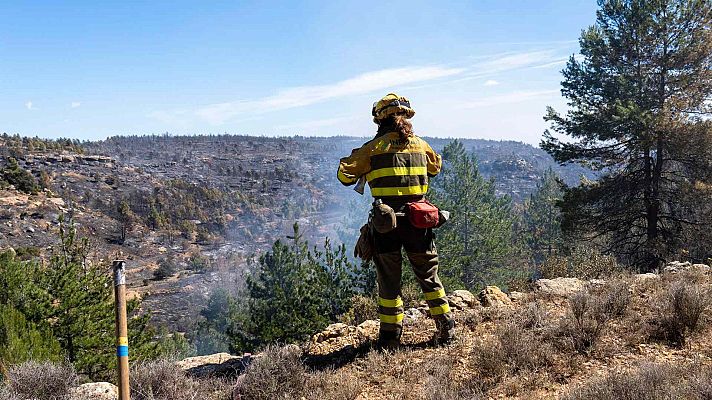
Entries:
{"x":294,"y":291}
{"x":22,"y":341}
{"x":20,"y":178}
{"x":542,"y":218}
{"x":475,"y":245}
{"x":69,"y":301}
{"x":637,"y":97}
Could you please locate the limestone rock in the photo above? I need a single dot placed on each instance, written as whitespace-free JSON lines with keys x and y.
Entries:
{"x":412,"y":314}
{"x":220,"y":364}
{"x":333,"y":331}
{"x":646,"y":277}
{"x":516,"y":296}
{"x":341,"y":338}
{"x":559,"y":286}
{"x":681,"y":266}
{"x":95,"y":391}
{"x":676,"y":266}
{"x":369,"y":328}
{"x":466,"y":297}
{"x":493,"y":296}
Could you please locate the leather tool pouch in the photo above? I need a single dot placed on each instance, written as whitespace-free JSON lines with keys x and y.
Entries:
{"x":422,"y":214}
{"x":383,"y":217}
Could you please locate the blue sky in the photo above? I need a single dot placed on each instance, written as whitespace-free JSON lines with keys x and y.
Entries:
{"x":89,"y":69}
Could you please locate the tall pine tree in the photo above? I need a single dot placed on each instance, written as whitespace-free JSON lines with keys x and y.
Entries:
{"x":638,"y":96}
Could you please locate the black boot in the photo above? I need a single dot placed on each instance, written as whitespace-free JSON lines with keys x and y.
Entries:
{"x":389,"y":340}
{"x":445,"y":334}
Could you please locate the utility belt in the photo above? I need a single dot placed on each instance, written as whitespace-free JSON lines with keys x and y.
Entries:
{"x":383,"y":219}
{"x":421,"y":214}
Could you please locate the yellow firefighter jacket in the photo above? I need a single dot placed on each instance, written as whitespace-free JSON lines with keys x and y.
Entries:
{"x":393,"y":167}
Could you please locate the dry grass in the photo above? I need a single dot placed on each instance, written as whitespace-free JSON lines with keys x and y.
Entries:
{"x":40,"y":381}
{"x":279,"y":374}
{"x":648,"y":382}
{"x":164,"y":380}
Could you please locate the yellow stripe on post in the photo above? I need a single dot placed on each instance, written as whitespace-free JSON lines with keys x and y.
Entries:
{"x":122,"y":341}
{"x":391,"y":319}
{"x":435,"y":295}
{"x":396,"y":171}
{"x":397,"y":302}
{"x":444,"y":309}
{"x":399,"y":191}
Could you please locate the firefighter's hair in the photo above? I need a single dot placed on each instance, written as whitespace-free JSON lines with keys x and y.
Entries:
{"x":397,"y":123}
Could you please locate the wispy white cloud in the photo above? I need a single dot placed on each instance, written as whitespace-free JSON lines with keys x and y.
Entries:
{"x":559,"y":62}
{"x":412,"y":77}
{"x":218,"y":114}
{"x":511,"y":61}
{"x":29,"y":105}
{"x":75,"y":104}
{"x":510,"y":98}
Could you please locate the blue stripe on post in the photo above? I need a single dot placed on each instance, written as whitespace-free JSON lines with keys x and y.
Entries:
{"x":122,"y":351}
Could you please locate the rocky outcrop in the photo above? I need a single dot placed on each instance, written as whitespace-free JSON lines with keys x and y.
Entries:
{"x":674,"y":267}
{"x":220,"y":364}
{"x":563,"y":287}
{"x":95,"y":391}
{"x":493,"y":296}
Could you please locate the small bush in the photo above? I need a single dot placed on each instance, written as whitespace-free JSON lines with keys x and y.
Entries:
{"x":278,"y":373}
{"x":533,"y":316}
{"x":521,"y":350}
{"x":166,"y":268}
{"x":41,"y":381}
{"x":164,"y":380}
{"x":583,"y":263}
{"x":512,"y":350}
{"x":680,"y":311}
{"x":362,"y":309}
{"x":198,"y":263}
{"x":589,"y":314}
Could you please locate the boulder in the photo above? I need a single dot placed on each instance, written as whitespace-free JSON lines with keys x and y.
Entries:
{"x":95,"y":391}
{"x":559,"y":286}
{"x":493,"y":296}
{"x":220,"y":364}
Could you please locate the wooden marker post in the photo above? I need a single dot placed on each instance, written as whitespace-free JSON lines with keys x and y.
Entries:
{"x":122,"y":340}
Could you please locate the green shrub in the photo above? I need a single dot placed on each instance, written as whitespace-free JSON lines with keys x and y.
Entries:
{"x":20,"y":178}
{"x":21,"y":340}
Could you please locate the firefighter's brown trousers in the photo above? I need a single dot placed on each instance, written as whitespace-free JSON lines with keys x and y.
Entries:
{"x":419,"y":246}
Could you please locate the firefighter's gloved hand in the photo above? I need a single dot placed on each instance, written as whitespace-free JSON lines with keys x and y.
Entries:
{"x":364,"y":246}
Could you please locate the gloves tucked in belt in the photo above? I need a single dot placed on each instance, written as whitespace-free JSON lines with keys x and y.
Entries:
{"x":364,"y":246}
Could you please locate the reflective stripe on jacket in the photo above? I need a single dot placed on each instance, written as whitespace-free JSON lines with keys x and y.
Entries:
{"x":393,"y":167}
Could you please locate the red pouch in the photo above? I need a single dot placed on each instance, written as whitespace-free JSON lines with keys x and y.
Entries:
{"x":422,"y":214}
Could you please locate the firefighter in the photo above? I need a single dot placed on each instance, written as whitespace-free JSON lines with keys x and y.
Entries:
{"x":397,"y":165}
